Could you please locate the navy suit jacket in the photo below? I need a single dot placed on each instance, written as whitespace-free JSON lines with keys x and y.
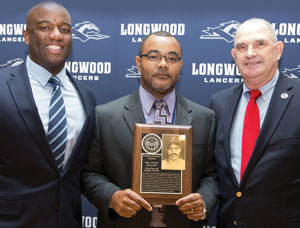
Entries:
{"x":109,"y":163}
{"x":32,"y":191}
{"x":270,"y":186}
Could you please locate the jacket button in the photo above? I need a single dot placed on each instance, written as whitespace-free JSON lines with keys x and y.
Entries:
{"x":239,"y":194}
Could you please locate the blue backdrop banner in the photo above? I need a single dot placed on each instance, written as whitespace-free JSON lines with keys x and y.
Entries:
{"x":107,"y":35}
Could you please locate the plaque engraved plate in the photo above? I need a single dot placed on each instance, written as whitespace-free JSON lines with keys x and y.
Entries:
{"x":162,"y":162}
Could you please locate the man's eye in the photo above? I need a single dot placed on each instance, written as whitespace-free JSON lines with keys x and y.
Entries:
{"x":171,"y":59}
{"x":153,"y":57}
{"x":45,"y":27}
{"x":65,"y":30}
{"x":241,"y":47}
{"x":260,"y":44}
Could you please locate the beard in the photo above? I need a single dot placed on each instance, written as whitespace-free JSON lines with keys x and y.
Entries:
{"x":164,"y":87}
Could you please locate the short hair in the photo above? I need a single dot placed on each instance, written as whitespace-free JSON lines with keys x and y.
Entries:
{"x":157,"y":33}
{"x":175,"y":140}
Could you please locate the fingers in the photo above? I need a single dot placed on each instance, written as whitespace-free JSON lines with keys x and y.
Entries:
{"x":142,"y":202}
{"x":189,"y":201}
{"x":127,"y":203}
{"x":192,"y":206}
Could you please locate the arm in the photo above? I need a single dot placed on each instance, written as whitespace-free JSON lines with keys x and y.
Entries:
{"x":101,"y":176}
{"x":205,"y":177}
{"x":95,"y":186}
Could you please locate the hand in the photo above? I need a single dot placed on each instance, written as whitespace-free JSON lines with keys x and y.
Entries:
{"x":127,"y":203}
{"x":192,"y":206}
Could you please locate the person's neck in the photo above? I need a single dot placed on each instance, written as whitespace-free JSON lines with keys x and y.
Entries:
{"x":173,"y":161}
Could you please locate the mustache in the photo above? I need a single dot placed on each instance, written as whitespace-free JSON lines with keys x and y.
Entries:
{"x":162,"y":72}
{"x":173,"y":154}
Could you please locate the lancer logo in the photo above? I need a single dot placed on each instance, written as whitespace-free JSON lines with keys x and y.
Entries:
{"x":292,"y":73}
{"x":133,"y":73}
{"x":86,"y":30}
{"x":225,"y":31}
{"x":12,"y":63}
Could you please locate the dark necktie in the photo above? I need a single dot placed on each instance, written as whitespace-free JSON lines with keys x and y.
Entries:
{"x":57,"y":129}
{"x":161,"y":113}
{"x":251,"y":129}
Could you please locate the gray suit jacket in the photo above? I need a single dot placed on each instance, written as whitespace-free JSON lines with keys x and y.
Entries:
{"x":109,"y":164}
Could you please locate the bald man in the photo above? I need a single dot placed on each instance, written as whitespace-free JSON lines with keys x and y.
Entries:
{"x":39,"y":165}
{"x":259,"y":179}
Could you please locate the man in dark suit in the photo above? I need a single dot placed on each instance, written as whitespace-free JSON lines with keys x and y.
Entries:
{"x":264,"y":192}
{"x":106,"y":180}
{"x":37,"y":191}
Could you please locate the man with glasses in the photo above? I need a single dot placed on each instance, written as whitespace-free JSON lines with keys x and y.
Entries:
{"x":106,"y":180}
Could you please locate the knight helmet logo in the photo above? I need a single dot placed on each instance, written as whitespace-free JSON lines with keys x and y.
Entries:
{"x":86,"y":30}
{"x":292,"y":73}
{"x":225,"y":31}
{"x":12,"y":63}
{"x":133,"y":73}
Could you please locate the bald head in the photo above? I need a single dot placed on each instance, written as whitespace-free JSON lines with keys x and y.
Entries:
{"x":36,"y":11}
{"x":48,"y":35}
{"x":253,"y":22}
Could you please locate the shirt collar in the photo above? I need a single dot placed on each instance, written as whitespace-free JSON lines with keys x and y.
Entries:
{"x":265,"y":88}
{"x":147,"y":100}
{"x":42,"y":75}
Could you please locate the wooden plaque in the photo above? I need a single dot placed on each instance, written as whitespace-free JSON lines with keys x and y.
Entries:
{"x":162,"y":162}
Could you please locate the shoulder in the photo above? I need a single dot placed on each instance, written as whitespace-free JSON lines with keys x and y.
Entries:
{"x":222,"y":94}
{"x":295,"y":82}
{"x":113,"y":106}
{"x":193,"y":107}
{"x":5,"y":70}
{"x":8,"y":72}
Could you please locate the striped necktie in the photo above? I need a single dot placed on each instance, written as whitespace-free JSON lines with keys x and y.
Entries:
{"x":57,"y":129}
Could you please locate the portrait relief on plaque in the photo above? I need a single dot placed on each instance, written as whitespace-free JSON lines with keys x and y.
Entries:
{"x":173,"y":153}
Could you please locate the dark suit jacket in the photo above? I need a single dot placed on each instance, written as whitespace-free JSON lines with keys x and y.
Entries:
{"x":270,"y":185}
{"x":32,"y":192}
{"x":109,"y":163}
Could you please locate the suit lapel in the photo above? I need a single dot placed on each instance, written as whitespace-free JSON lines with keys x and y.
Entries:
{"x":231,"y":106}
{"x":183,"y":116}
{"x":273,"y":116}
{"x":22,"y":94}
{"x":86,"y":104}
{"x":133,"y":112}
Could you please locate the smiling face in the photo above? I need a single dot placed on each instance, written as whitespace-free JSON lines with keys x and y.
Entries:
{"x":49,"y":36}
{"x":256,"y":53}
{"x":159,"y":78}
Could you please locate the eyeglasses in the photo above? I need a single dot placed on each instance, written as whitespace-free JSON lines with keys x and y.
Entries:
{"x":156,"y":57}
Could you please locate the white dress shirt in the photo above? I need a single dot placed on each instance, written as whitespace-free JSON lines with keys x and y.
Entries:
{"x":42,"y":91}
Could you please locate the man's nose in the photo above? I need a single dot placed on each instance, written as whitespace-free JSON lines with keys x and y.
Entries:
{"x":163,"y":62}
{"x":56,"y":34}
{"x":251,"y":51}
